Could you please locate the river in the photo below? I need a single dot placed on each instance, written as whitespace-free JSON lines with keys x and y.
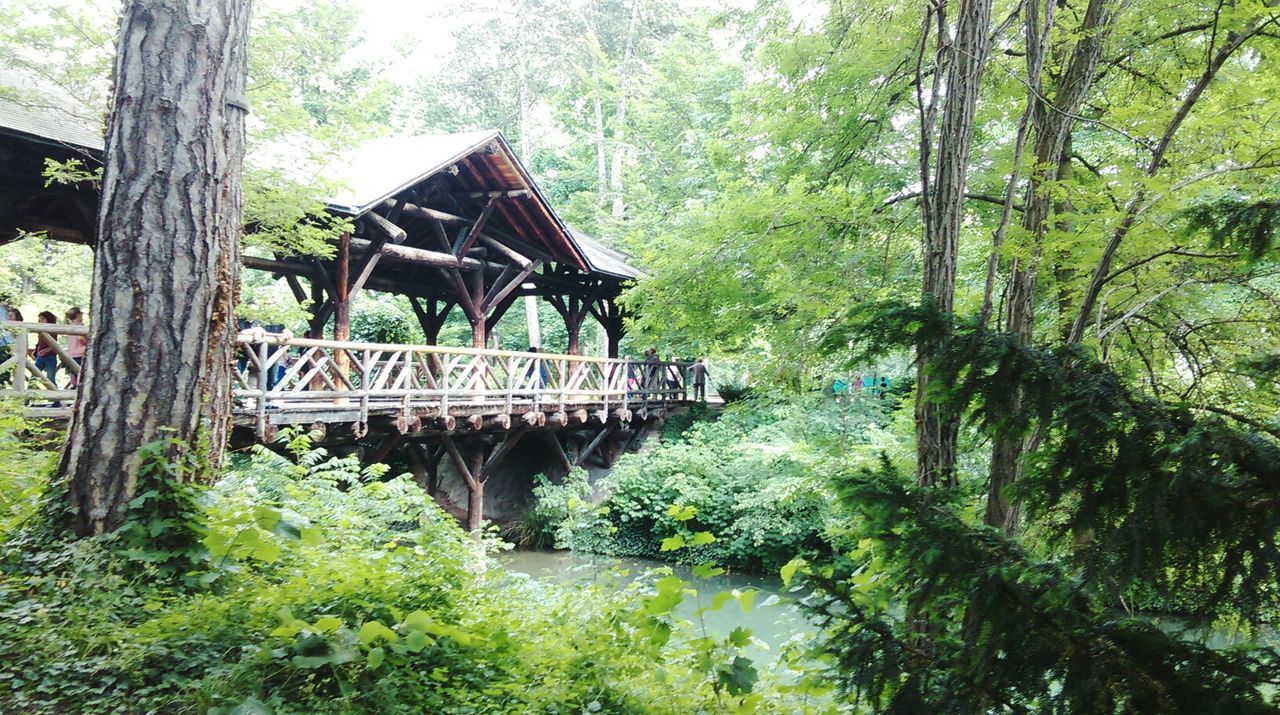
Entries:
{"x":773,"y":624}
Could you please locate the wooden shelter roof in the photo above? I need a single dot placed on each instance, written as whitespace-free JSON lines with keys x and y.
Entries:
{"x":463,"y":175}
{"x":470,"y":169}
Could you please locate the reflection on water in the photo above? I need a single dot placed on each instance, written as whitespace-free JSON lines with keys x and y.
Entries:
{"x":773,"y":624}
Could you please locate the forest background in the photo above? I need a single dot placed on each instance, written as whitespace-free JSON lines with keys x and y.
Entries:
{"x":1089,"y":191}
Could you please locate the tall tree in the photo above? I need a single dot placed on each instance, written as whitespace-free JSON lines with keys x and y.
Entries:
{"x":1053,"y":108}
{"x":164,"y":290}
{"x":942,"y":199}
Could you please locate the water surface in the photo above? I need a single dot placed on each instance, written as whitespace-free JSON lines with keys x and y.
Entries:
{"x":773,"y":624}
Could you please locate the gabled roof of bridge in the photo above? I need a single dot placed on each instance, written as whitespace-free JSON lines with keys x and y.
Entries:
{"x":48,"y":124}
{"x":603,"y":259}
{"x":472,"y":168}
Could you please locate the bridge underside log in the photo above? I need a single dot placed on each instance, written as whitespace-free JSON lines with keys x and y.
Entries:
{"x":424,"y":461}
{"x":594,"y":444}
{"x":476,"y":470}
{"x":557,"y":452}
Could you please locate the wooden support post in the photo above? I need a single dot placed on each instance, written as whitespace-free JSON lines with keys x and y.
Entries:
{"x":471,"y":236}
{"x":557,"y":451}
{"x":475,"y":486}
{"x":296,"y":286}
{"x":384,"y":448}
{"x":469,"y":474}
{"x":342,"y":304}
{"x":432,"y":317}
{"x":479,"y":335}
{"x":425,"y":464}
{"x":593,"y":444}
{"x":315,"y":327}
{"x":609,"y":451}
{"x":612,"y":318}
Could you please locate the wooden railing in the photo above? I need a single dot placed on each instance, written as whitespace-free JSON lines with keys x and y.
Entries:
{"x":276,"y":374}
{"x":19,"y":375}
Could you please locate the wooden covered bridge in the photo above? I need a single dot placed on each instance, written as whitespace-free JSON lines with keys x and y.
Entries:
{"x":453,"y":223}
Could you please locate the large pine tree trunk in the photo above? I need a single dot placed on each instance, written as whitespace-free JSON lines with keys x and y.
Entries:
{"x":936,"y":430}
{"x":164,"y":287}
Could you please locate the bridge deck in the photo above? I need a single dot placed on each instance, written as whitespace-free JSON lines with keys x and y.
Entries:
{"x":281,"y":380}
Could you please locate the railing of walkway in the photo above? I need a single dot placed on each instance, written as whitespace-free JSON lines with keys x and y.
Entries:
{"x":281,"y":373}
{"x":19,"y":374}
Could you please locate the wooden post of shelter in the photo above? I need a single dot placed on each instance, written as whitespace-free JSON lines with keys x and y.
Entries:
{"x":342,"y":304}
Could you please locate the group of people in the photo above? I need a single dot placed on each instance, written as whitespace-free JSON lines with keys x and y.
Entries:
{"x":649,"y":372}
{"x":48,"y":353}
{"x":869,"y":385}
{"x":655,"y":378}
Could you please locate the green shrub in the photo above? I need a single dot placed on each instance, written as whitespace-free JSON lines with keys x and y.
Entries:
{"x":27,"y":455}
{"x":753,"y":477}
{"x":318,"y":586}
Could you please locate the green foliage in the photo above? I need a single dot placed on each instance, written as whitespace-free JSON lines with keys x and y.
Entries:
{"x":27,"y":455}
{"x":752,"y":477}
{"x":324,"y":587}
{"x":1142,"y":492}
{"x":563,"y":516}
{"x":1238,"y":223}
{"x":989,"y":625}
{"x":1134,"y":504}
{"x":384,"y":319}
{"x":285,"y":216}
{"x":163,"y":522}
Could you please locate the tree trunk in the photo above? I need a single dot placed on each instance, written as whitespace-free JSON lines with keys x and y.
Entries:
{"x":936,"y":429}
{"x":1052,"y":127}
{"x":602,"y":163}
{"x":532,"y":322}
{"x":620,"y":130}
{"x":164,"y":286}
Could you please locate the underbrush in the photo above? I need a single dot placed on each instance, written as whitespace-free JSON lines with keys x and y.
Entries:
{"x":755,"y":477}
{"x":310,"y":585}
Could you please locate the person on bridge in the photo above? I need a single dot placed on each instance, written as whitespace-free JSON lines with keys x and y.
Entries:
{"x":76,"y":344}
{"x":6,"y":338}
{"x":698,"y":373}
{"x":652,"y":371}
{"x":47,"y":353}
{"x":675,"y":376}
{"x":537,"y":371}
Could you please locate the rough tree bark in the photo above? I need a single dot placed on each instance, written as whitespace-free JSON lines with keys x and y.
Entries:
{"x":161,"y":338}
{"x":1052,"y":124}
{"x":936,"y":430}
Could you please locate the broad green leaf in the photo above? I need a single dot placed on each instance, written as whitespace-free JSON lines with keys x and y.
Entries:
{"x":327,"y":624}
{"x":672,"y":543}
{"x":789,"y":571}
{"x":707,"y":570}
{"x":371,"y":631}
